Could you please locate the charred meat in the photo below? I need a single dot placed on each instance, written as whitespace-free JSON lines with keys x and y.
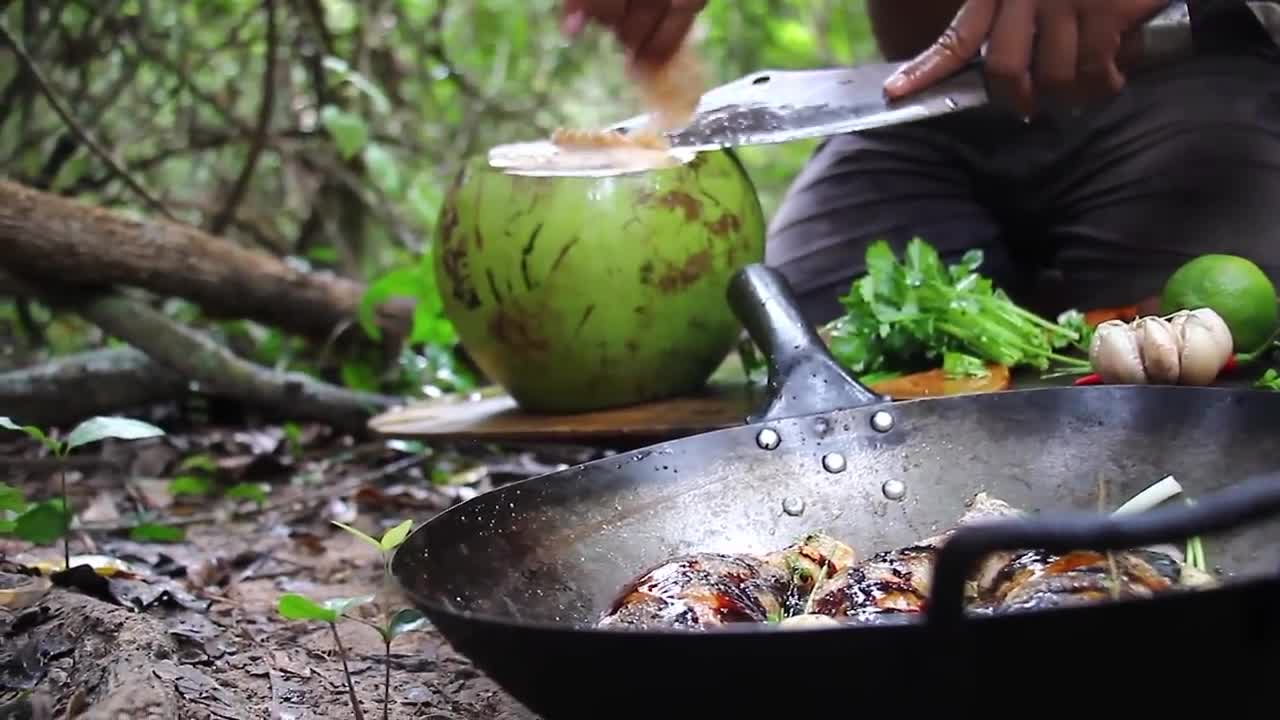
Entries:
{"x":808,"y":564}
{"x":897,"y":581}
{"x":1035,"y":580}
{"x":711,"y":589}
{"x":818,"y":582}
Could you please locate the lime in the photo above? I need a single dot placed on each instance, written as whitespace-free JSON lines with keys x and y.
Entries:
{"x":1232,"y":286}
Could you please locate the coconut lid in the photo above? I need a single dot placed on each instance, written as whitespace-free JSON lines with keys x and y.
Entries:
{"x":546,"y":158}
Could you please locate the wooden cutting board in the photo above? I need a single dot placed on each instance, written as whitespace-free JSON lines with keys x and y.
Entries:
{"x":493,"y":416}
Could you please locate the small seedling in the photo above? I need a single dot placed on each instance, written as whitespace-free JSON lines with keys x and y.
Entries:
{"x":391,"y":540}
{"x":403,"y":621}
{"x":395,"y":623}
{"x":293,"y":606}
{"x":46,"y":522}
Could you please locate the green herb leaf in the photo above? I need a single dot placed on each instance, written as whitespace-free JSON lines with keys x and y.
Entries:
{"x":392,"y":538}
{"x":359,"y":534}
{"x":958,"y":365}
{"x":155,"y":532}
{"x":101,"y":428}
{"x":1270,"y":380}
{"x":908,"y":315}
{"x":42,"y":523}
{"x":293,"y":606}
{"x":405,"y":621}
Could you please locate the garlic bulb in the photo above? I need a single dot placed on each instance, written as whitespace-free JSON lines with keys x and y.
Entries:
{"x":1161,"y":356}
{"x":1219,"y":329}
{"x":1205,"y":345}
{"x":1116,"y":354}
{"x":1189,"y":347}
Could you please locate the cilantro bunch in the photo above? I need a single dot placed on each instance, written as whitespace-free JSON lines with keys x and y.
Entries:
{"x":907,"y":314}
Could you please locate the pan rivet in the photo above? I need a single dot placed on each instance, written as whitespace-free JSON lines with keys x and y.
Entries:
{"x":894,"y":489}
{"x":768,"y":439}
{"x":882,"y":422}
{"x":793,"y":506}
{"x":833,"y":462}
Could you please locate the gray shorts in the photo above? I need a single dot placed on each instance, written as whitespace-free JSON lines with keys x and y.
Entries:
{"x":1083,"y":210}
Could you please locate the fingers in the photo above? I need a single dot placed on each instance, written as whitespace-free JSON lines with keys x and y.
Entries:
{"x":1097,"y":73}
{"x":650,"y":30}
{"x":1008,"y":58}
{"x":671,"y":33}
{"x":641,"y":21}
{"x":958,"y":45}
{"x":608,"y":13}
{"x":1057,"y":50}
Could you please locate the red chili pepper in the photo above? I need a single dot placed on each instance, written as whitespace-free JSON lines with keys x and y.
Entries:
{"x":1232,"y":364}
{"x":1094,"y":379}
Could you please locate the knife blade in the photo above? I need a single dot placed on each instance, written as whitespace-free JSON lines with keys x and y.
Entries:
{"x":778,"y":106}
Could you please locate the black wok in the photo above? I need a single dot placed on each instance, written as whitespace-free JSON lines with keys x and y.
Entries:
{"x":515,"y":578}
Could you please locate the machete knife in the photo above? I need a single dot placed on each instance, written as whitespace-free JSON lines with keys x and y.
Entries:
{"x":780,"y":106}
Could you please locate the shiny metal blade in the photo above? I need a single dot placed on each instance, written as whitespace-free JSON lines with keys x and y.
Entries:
{"x":784,"y":105}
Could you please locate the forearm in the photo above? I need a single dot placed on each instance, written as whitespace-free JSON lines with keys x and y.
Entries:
{"x":903,"y":28}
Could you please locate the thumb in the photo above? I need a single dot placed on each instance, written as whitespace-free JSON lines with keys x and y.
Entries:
{"x":959,"y":43}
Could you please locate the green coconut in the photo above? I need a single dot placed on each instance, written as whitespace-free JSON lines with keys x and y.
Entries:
{"x":598,"y":280}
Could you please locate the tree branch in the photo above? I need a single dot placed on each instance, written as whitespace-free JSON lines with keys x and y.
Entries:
{"x":261,"y":132}
{"x":52,"y":239}
{"x":213,"y":368}
{"x":29,"y":65}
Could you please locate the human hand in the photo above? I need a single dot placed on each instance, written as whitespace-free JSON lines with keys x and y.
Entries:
{"x":650,"y":30}
{"x":1063,"y":49}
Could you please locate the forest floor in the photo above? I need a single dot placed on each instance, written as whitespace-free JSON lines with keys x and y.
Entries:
{"x":189,"y":628}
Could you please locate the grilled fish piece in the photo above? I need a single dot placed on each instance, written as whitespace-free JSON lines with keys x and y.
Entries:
{"x":704,"y":590}
{"x":809,"y":563}
{"x":897,"y":582}
{"x":1036,"y":580}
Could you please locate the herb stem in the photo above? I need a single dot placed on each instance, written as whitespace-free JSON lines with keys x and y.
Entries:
{"x":66,"y":522}
{"x":346,"y":671}
{"x":386,"y":681}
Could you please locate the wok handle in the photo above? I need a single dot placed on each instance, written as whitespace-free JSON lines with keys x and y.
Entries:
{"x":804,"y":378}
{"x":1246,"y":503}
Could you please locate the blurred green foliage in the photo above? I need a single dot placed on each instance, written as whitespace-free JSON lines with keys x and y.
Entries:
{"x":373,"y":107}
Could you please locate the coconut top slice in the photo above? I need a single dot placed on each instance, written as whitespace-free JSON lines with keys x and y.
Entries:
{"x":580,"y":157}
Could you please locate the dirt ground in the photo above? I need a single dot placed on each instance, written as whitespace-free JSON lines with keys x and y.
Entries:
{"x":190,"y":629}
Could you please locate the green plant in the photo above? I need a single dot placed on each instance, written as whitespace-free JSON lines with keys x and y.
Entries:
{"x":45,"y":522}
{"x":293,"y":606}
{"x":395,"y":621}
{"x":197,"y":479}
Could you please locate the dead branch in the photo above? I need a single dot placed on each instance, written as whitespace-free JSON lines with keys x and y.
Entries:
{"x":207,"y":366}
{"x":51,"y":239}
{"x":71,"y":388}
{"x":219,"y":371}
